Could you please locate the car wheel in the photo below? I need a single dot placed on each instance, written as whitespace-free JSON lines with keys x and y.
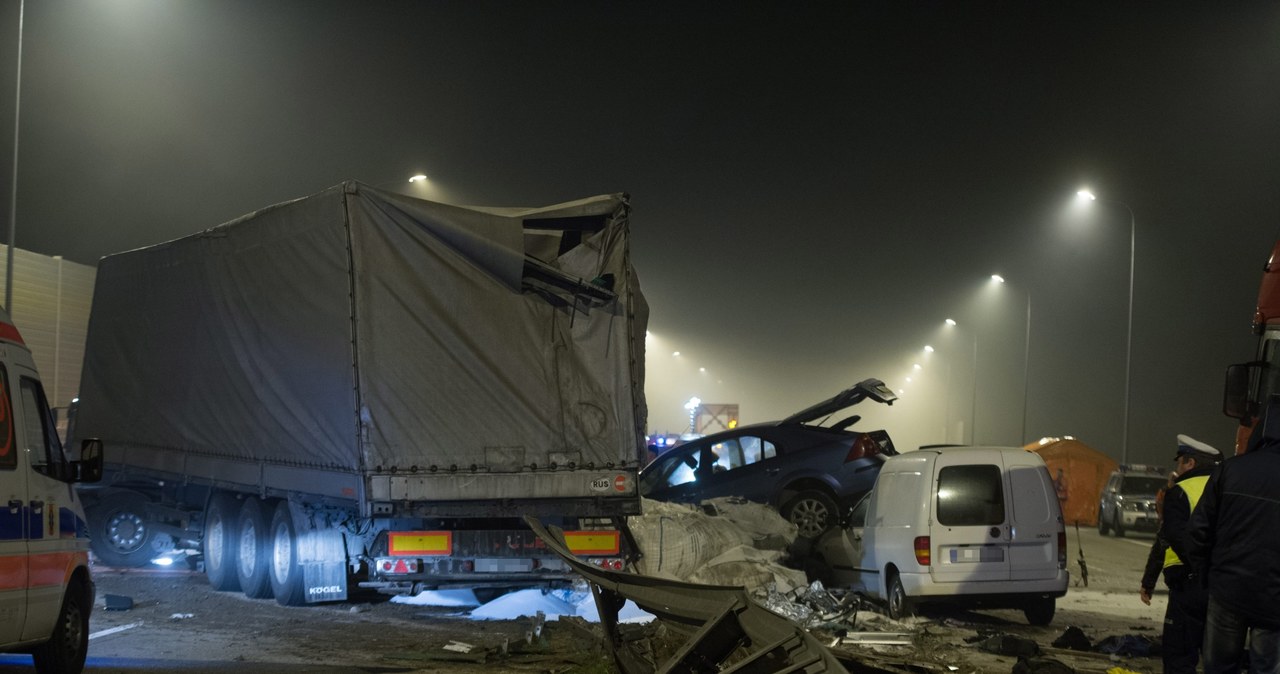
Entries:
{"x":1117,"y":525}
{"x":813,"y":512}
{"x":900,"y":605}
{"x":66,"y":648}
{"x":1040,"y":611}
{"x":120,"y":534}
{"x":220,"y":542}
{"x":1103,"y":529}
{"x":253,"y":554}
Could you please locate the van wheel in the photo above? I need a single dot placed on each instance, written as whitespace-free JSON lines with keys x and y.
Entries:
{"x":253,"y":554}
{"x":67,"y":646}
{"x":1040,"y":611}
{"x":1118,"y":526}
{"x":220,"y":544}
{"x":813,"y":512}
{"x":285,"y":572}
{"x":120,"y":534}
{"x":900,"y":605}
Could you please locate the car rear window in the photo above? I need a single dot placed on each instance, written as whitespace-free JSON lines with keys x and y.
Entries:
{"x":970,"y":496}
{"x":1142,"y":486}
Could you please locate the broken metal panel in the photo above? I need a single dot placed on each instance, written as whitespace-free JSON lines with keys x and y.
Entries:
{"x":727,"y":631}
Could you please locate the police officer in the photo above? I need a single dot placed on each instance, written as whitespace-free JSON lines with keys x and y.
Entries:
{"x":1188,"y":599}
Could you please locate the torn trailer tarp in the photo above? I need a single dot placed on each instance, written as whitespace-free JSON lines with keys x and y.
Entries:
{"x":365,"y":331}
{"x":726,"y":631}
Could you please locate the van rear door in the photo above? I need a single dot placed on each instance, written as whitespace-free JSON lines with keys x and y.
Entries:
{"x":971,"y":530}
{"x":1037,"y":519}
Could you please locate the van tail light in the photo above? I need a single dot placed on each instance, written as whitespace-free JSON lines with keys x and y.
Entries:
{"x":922,"y":550}
{"x":863,"y":447}
{"x":1062,"y":549}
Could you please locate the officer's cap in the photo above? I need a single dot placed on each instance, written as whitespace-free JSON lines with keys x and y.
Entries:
{"x":1189,"y":446}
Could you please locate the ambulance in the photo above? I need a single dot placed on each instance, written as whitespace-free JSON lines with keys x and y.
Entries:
{"x":46,"y":591}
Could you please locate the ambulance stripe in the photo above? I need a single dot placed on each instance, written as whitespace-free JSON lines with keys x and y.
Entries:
{"x":50,"y":569}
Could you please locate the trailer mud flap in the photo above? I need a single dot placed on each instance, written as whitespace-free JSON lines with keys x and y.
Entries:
{"x":325,"y":581}
{"x":723,"y":625}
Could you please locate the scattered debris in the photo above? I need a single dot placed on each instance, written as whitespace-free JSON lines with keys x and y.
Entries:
{"x":1007,"y":644}
{"x":116,"y":602}
{"x":1074,"y":639}
{"x":1041,"y":665}
{"x":458,"y":647}
{"x":1132,"y":645}
{"x":113,"y":630}
{"x":182,"y":616}
{"x":361,"y":608}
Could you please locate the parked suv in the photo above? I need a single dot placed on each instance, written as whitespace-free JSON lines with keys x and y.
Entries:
{"x":809,"y":472}
{"x":1129,"y":500}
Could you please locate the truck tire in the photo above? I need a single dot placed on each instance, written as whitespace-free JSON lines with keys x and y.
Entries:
{"x":253,"y":554}
{"x":285,"y":572}
{"x":66,"y":648}
{"x":812,"y":511}
{"x":119,"y":532}
{"x":220,"y":541}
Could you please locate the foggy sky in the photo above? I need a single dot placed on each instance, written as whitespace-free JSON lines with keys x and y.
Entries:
{"x":815,"y":188}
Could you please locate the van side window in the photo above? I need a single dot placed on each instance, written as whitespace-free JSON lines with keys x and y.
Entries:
{"x":44,"y":445}
{"x":8,"y":452}
{"x":970,"y":496}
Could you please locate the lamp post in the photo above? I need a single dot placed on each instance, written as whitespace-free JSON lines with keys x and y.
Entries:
{"x":973,"y":401}
{"x":1026,"y":362}
{"x":13,"y":196}
{"x":1086,"y":195}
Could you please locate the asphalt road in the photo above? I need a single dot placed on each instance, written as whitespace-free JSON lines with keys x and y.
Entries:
{"x":179,"y":625}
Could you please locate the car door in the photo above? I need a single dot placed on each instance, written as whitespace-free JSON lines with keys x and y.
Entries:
{"x":675,"y":474}
{"x":1036,"y":516}
{"x":13,"y":520}
{"x":972,"y":525}
{"x":47,"y":496}
{"x":740,"y":467}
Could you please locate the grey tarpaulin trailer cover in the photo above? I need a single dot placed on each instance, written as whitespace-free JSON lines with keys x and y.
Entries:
{"x":361,"y":346}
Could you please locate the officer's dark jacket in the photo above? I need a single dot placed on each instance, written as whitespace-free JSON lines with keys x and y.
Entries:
{"x":1234,"y":535}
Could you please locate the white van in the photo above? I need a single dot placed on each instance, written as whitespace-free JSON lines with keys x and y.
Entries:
{"x":978,"y":526}
{"x":45,"y":589}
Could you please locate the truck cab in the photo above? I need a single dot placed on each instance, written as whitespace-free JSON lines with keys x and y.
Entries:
{"x":46,"y":592}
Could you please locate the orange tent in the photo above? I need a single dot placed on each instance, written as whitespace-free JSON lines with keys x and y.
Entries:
{"x":1079,"y":472}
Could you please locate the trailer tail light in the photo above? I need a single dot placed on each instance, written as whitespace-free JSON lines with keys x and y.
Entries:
{"x":863,"y":447}
{"x":922,"y":550}
{"x":1062,"y":549}
{"x":396,"y":565}
{"x":606,"y":564}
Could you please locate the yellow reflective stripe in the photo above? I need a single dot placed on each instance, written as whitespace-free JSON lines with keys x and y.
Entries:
{"x":1193,"y":487}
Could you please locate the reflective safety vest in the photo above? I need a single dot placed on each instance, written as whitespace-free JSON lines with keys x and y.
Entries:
{"x":1193,"y":487}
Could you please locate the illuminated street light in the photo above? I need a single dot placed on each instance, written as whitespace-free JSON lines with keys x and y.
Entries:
{"x":929,"y":349}
{"x":1086,"y":196}
{"x":418,"y":178}
{"x":973,"y":402}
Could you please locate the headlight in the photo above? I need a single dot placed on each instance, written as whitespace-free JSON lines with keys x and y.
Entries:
{"x":1133,"y":505}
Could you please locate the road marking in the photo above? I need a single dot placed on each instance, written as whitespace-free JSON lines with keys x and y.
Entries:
{"x":113,"y":630}
{"x":1145,"y":544}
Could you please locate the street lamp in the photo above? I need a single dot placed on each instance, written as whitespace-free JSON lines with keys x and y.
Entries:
{"x":1026,"y":362}
{"x":1088,"y":197}
{"x":13,"y":197}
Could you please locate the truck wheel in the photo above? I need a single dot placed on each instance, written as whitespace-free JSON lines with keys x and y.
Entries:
{"x":900,"y":605}
{"x":285,"y":572}
{"x":67,"y":646}
{"x":1040,"y":611}
{"x":119,"y":532}
{"x":813,"y":512}
{"x":220,"y":542}
{"x":252,"y":552}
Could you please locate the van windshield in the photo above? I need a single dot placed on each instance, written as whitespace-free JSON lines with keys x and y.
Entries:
{"x":970,"y":496}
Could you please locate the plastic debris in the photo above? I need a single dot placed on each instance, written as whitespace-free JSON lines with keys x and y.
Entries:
{"x":458,"y":647}
{"x":182,"y":616}
{"x":1041,"y":665}
{"x":1007,"y":644}
{"x":1131,"y":645}
{"x":117,"y":602}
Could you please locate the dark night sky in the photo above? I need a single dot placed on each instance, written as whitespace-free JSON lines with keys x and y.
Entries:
{"x":815,"y":187}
